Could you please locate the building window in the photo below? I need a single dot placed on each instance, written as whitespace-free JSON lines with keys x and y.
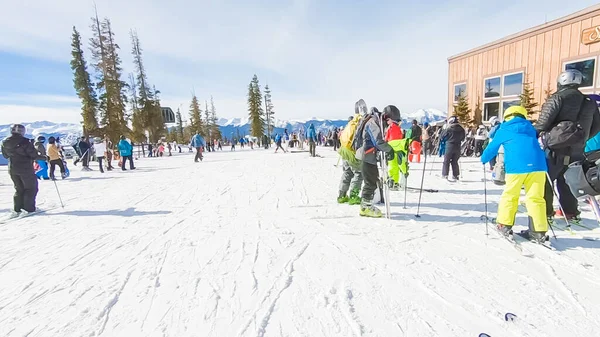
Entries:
{"x":508,"y":104}
{"x":459,"y":90}
{"x":513,"y":84}
{"x":492,"y":87}
{"x":587,"y":68}
{"x":490,"y":110}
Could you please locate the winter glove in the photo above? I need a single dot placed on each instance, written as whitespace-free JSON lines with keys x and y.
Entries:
{"x":389,"y":155}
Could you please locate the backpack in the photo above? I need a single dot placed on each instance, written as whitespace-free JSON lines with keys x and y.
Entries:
{"x":348,"y":134}
{"x":566,"y":134}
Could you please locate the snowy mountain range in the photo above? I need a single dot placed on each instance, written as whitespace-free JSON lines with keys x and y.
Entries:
{"x":69,"y":133}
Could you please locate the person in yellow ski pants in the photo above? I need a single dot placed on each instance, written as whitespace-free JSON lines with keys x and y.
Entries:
{"x":399,"y":144}
{"x":525,"y":165}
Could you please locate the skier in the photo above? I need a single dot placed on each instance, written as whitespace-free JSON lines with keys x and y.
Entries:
{"x":126,"y":152}
{"x":426,"y":134}
{"x":336,"y":143}
{"x":278,"y":140}
{"x":525,"y":166}
{"x":198,"y":143}
{"x":232,"y":145}
{"x":109,"y":154}
{"x":169,"y":147}
{"x":371,"y":141}
{"x":452,"y":136}
{"x":100,"y":148}
{"x":568,"y":104}
{"x":150,"y":150}
{"x":42,"y":172}
{"x":21,"y":153}
{"x":415,"y":131}
{"x":55,"y":158}
{"x":351,"y":176}
{"x":398,"y":162}
{"x":311,"y":135}
{"x":84,"y":152}
{"x":480,"y":136}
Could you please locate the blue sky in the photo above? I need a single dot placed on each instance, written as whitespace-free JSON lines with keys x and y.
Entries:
{"x":318,"y":56}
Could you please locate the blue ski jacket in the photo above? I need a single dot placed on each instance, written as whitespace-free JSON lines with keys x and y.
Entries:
{"x":125,"y":149}
{"x":311,"y":134}
{"x":198,"y":141}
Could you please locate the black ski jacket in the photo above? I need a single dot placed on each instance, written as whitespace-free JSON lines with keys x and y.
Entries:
{"x":416,"y":132}
{"x":454,"y":135}
{"x":83,"y":147}
{"x":20,"y":154}
{"x":569,"y":104}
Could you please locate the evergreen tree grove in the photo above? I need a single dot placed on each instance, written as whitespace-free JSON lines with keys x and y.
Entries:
{"x":84,"y":87}
{"x":195,"y":117}
{"x":462,"y":110}
{"x":255,"y":110}
{"x":528,"y":99}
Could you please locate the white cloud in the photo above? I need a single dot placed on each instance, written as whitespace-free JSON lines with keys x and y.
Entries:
{"x":10,"y":114}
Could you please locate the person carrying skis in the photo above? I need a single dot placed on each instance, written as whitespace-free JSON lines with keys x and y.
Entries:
{"x":126,"y":152}
{"x":525,"y":165}
{"x":42,"y":172}
{"x":567,"y":106}
{"x":351,"y":176}
{"x":399,"y":161}
{"x":21,"y":153}
{"x":55,"y":159}
{"x":198,"y":143}
{"x":370,"y":140}
{"x":311,"y":136}
{"x":453,"y":137}
{"x":100,"y":148}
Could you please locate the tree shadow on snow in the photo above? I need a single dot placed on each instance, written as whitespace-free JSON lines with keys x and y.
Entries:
{"x":91,"y":178}
{"x":129,"y":212}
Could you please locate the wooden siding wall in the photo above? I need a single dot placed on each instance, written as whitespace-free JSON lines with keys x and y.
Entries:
{"x":539,"y":54}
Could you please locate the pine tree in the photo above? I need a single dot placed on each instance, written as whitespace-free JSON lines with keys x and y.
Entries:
{"x":138,"y":133}
{"x":548,"y":91}
{"x":255,"y":110}
{"x":527,"y":98}
{"x":113,"y":96}
{"x":269,"y":110}
{"x":180,"y":136}
{"x":216,"y":131}
{"x":462,"y":110}
{"x":84,"y":86}
{"x":207,"y":122}
{"x":156,"y":125}
{"x":195,"y":117}
{"x":477,"y":119}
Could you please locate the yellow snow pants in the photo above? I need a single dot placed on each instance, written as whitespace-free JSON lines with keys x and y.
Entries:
{"x":398,"y":164}
{"x":534,"y":199}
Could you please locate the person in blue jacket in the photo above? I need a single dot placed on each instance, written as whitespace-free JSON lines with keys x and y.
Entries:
{"x":311,"y":136}
{"x":198,"y":143}
{"x":278,"y":140}
{"x":126,"y":152}
{"x":525,"y":164}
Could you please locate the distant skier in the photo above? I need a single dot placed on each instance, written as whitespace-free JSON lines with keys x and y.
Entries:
{"x":278,"y":140}
{"x":84,"y":153}
{"x":481,"y":136}
{"x":371,"y":138}
{"x":126,"y":153}
{"x":525,"y":166}
{"x":100,"y":148}
{"x":453,"y":137}
{"x":55,"y":158}
{"x":311,"y":136}
{"x":21,"y":153}
{"x":42,"y":172}
{"x":198,"y":143}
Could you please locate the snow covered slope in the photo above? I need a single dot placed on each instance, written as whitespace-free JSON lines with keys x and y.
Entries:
{"x":252,"y":243}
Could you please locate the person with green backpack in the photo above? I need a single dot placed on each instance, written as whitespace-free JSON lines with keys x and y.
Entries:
{"x":352,"y":175}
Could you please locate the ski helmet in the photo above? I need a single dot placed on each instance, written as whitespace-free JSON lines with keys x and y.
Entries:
{"x":18,"y":129}
{"x":360,"y":107}
{"x":453,"y":120}
{"x":570,"y":77}
{"x":51,"y":140}
{"x":494,"y":120}
{"x":391,"y":112}
{"x":41,"y":139}
{"x":375,"y":111}
{"x":515,"y":111}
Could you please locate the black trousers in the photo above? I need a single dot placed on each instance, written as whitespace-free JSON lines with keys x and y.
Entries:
{"x":370,"y":175}
{"x":86,"y":159}
{"x":198,"y":154}
{"x":451,"y":158}
{"x":556,"y":171}
{"x":26,"y":189}
{"x":100,"y":162}
{"x":312,"y":148}
{"x":279,"y":147}
{"x":124,"y":160}
{"x":53,"y":164}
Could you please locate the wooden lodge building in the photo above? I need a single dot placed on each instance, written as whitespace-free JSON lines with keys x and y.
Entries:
{"x":493,"y":74}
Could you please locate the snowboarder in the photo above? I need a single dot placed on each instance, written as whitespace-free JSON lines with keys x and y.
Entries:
{"x":42,"y":172}
{"x":55,"y":159}
{"x":21,"y":153}
{"x":568,"y":104}
{"x":452,"y":136}
{"x":398,"y":162}
{"x":525,"y":166}
{"x":198,"y":143}
{"x":311,"y":136}
{"x":100,"y":148}
{"x":126,"y":153}
{"x":372,"y":141}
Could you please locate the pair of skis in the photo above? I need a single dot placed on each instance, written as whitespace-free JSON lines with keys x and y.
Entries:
{"x":384,"y":178}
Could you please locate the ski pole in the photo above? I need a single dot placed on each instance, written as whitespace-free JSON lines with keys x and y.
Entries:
{"x":57,"y":192}
{"x":559,"y":205}
{"x":421,"y":191}
{"x":405,"y":189}
{"x":485,"y":200}
{"x":436,"y":149}
{"x":338,"y":162}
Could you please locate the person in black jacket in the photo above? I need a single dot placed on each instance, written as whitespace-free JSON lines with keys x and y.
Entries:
{"x":454,"y":135}
{"x":416,"y":131}
{"x":567,"y":104}
{"x":21,"y":153}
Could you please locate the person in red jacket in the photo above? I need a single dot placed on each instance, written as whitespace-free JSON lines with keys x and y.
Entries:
{"x":394,"y":138}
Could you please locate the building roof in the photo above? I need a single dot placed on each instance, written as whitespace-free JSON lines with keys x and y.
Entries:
{"x":582,"y":14}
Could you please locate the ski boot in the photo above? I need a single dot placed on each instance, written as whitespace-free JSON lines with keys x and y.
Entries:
{"x":505,"y":230}
{"x":537,"y":237}
{"x":571,"y":218}
{"x":392,"y":185}
{"x":354,"y":198}
{"x":368,"y":210}
{"x":13,"y":214}
{"x":342,"y":198}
